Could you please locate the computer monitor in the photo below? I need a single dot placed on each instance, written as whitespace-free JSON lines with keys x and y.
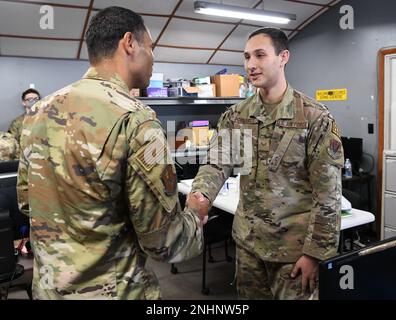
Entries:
{"x":353,"y":150}
{"x":368,"y":273}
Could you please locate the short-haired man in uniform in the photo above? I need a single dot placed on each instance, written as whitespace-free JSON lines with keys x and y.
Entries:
{"x":96,"y":176}
{"x":288,"y":217}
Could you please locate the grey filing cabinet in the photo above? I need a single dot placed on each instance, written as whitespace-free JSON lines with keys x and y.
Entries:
{"x":388,"y":229}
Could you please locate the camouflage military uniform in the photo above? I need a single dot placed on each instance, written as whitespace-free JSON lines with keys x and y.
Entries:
{"x":290,"y":200}
{"x":97,"y":206}
{"x":16,"y":127}
{"x":9,"y":148}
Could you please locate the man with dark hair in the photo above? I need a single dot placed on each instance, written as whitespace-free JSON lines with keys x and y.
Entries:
{"x":29,"y":98}
{"x":97,"y":179}
{"x":278,"y":38}
{"x":288,"y":217}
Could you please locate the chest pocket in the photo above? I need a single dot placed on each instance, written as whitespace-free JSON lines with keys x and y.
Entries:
{"x":244,"y":142}
{"x":288,"y":145}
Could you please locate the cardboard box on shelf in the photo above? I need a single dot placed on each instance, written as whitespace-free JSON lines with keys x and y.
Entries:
{"x":200,"y":136}
{"x":227,"y":85}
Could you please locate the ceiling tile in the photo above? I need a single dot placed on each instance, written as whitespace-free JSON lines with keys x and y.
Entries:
{"x":140,"y":6}
{"x":39,"y":48}
{"x":237,"y":39}
{"x":323,"y":2}
{"x":84,"y":52}
{"x":181,"y":55}
{"x":228,"y":58}
{"x":24,"y":19}
{"x":301,"y":10}
{"x":155,"y":25}
{"x":312,"y":18}
{"x":195,"y":34}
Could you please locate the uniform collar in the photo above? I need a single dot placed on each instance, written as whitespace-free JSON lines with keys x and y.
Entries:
{"x":283,"y":110}
{"x":114,"y":78}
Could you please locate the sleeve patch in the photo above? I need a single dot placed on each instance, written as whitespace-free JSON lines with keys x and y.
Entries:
{"x":334,"y":149}
{"x":169,"y":180}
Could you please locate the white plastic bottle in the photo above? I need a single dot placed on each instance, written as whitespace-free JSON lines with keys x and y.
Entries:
{"x":348,"y":169}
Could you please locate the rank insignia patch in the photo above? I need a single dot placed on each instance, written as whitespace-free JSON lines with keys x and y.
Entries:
{"x":169,"y":180}
{"x":334,"y":149}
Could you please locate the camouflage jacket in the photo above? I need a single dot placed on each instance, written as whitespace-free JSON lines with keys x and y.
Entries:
{"x":290,"y":187}
{"x":16,"y":127}
{"x":9,"y":148}
{"x":98,"y":203}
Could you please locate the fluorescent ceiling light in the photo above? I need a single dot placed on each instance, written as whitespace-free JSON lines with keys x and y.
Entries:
{"x":222,"y":10}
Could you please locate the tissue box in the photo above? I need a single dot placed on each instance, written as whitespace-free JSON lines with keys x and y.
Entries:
{"x":157,"y":92}
{"x":157,"y":80}
{"x":207,"y":90}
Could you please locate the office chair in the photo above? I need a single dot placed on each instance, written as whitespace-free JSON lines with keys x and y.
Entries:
{"x":20,"y":222}
{"x":9,"y":269}
{"x":217,"y":229}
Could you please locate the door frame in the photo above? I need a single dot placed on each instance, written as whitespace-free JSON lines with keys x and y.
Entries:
{"x":381,"y":126}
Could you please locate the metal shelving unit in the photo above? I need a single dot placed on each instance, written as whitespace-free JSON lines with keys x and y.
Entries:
{"x":179,"y":101}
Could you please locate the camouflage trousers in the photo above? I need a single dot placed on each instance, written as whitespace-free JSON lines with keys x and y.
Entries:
{"x":265,"y":280}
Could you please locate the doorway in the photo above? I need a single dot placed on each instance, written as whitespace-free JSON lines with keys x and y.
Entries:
{"x":386,"y":116}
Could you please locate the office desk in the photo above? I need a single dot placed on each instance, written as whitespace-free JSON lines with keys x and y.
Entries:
{"x":229,"y":203}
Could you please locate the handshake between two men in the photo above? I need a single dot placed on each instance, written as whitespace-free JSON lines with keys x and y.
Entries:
{"x":199,"y":203}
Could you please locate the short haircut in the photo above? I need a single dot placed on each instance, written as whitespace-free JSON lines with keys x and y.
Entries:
{"x":108,"y":27}
{"x":278,"y":37}
{"x":26,"y":92}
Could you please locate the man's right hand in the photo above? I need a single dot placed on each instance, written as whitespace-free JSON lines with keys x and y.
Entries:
{"x":199,"y":203}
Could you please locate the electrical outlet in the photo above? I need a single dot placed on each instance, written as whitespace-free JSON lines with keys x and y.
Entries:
{"x":371,"y":128}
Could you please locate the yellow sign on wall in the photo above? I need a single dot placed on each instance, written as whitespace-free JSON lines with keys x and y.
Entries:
{"x":332,"y":95}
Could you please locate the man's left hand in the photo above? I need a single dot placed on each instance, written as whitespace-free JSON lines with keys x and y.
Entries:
{"x":308,"y":267}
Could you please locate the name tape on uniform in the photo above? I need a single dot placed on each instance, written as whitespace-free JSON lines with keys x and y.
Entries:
{"x":332,"y":95}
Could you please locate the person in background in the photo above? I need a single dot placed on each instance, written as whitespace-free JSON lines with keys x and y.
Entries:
{"x":29,"y":98}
